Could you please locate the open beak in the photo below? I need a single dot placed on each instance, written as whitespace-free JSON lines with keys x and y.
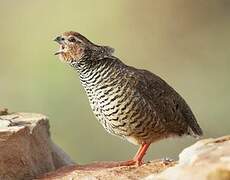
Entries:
{"x":59,"y":41}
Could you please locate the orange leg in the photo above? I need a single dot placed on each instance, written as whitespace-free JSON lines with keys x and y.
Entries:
{"x":140,"y":154}
{"x":137,"y":158}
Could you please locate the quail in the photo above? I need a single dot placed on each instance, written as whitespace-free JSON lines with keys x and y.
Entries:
{"x":130,"y":103}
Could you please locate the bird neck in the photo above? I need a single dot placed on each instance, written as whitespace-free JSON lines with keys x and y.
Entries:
{"x":92,"y":56}
{"x":93,"y":67}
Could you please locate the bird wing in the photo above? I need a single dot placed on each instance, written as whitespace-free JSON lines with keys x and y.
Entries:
{"x":170,"y":107}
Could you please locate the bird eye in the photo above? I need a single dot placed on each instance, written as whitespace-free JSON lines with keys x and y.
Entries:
{"x":72,"y":39}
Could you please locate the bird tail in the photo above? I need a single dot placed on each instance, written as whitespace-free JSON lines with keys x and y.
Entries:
{"x":195,"y":132}
{"x":193,"y":127}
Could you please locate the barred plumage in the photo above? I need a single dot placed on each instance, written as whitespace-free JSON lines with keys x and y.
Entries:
{"x":118,"y":95}
{"x":131,"y":103}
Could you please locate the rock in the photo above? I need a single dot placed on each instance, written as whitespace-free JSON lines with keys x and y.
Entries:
{"x":27,"y":152}
{"x":208,"y":159}
{"x":97,"y":171}
{"x":3,"y":111}
{"x":26,"y":149}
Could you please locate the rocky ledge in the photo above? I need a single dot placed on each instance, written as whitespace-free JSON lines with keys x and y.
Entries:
{"x":27,"y":152}
{"x":26,"y":149}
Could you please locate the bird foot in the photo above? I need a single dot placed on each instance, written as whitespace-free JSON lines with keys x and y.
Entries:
{"x":130,"y":163}
{"x":110,"y":164}
{"x":113,"y":164}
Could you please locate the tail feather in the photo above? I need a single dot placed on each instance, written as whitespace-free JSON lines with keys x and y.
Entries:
{"x":195,"y":132}
{"x":193,"y":127}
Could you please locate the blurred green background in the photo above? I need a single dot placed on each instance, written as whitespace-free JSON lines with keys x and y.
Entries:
{"x":187,"y":43}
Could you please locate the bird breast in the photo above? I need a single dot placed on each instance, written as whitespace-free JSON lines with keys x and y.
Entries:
{"x":112,"y":98}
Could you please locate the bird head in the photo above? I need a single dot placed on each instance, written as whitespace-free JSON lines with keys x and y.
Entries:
{"x":74,"y":47}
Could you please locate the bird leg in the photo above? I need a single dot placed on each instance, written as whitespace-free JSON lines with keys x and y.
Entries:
{"x":140,"y":154}
{"x":137,"y":160}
